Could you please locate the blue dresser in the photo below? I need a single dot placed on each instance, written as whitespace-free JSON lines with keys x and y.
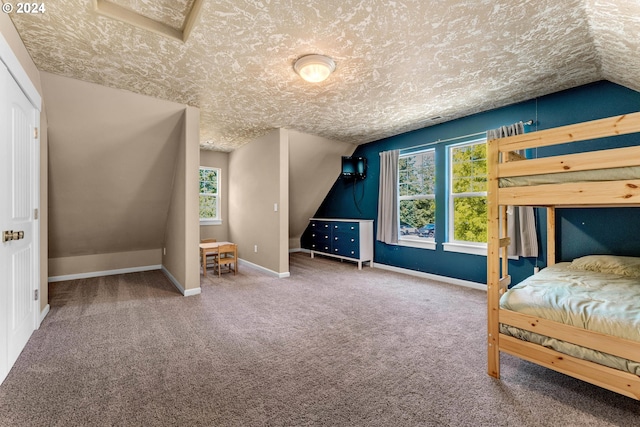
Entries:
{"x":349,"y":239}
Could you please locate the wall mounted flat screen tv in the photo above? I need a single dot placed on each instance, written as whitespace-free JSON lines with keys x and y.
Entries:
{"x":354,"y":167}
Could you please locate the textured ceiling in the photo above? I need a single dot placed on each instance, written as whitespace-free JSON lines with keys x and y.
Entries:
{"x":170,"y":12}
{"x":400,"y":63}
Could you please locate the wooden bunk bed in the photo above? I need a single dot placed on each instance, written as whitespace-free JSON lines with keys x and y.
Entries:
{"x":503,"y":163}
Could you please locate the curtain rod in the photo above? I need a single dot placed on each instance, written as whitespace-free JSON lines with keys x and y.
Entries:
{"x":527,"y":123}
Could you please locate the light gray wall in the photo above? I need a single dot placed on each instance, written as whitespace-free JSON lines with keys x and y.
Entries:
{"x":181,"y":235}
{"x":259,"y":179}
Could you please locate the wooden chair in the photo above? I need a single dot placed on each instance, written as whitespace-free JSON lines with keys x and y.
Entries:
{"x":213,"y":257}
{"x":227,"y":255}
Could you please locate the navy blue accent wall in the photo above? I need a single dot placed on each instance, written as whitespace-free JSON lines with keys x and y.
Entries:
{"x":580,"y":231}
{"x":609,"y":231}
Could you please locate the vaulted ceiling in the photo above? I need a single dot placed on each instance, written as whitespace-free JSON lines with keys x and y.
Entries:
{"x":401,"y":64}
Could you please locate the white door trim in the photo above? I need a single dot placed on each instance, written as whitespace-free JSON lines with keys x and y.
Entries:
{"x":19,"y":74}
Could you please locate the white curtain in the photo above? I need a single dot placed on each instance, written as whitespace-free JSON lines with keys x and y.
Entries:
{"x":521,"y":222}
{"x":387,"y":230}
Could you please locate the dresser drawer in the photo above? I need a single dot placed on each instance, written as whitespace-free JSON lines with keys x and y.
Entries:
{"x":346,"y":227}
{"x":346,"y":239}
{"x":321,"y":247}
{"x":323,"y":226}
{"x":350,"y":251}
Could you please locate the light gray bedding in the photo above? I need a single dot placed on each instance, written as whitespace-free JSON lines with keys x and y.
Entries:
{"x":613,"y":174}
{"x":603,"y":302}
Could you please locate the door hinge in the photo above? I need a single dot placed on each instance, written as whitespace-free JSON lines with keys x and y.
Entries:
{"x":35,"y":133}
{"x":35,"y":294}
{"x":35,"y":214}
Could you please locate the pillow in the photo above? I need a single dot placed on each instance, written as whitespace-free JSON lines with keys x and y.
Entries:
{"x":621,"y":265}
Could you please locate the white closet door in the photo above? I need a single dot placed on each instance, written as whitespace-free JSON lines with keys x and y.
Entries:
{"x":18,"y":176}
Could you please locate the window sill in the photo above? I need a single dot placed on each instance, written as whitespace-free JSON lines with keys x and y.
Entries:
{"x":465,"y":248}
{"x":422,"y":244}
{"x":210,"y":222}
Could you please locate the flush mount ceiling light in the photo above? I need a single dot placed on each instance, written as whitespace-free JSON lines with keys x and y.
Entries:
{"x":314,"y":68}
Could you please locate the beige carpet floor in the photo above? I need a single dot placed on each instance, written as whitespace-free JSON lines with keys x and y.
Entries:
{"x":329,"y":346}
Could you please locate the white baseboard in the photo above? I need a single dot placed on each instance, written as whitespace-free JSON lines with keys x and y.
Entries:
{"x":294,"y":250}
{"x":192,"y":292}
{"x":44,"y":313}
{"x":264,"y":270}
{"x":177,"y":284}
{"x":103,"y":273}
{"x":451,"y":280}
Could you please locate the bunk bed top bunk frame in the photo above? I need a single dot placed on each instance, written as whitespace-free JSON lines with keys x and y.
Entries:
{"x":502,"y":162}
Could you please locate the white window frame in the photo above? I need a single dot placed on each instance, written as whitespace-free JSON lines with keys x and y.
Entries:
{"x":452,"y":245}
{"x":217,"y":220}
{"x":416,"y":242}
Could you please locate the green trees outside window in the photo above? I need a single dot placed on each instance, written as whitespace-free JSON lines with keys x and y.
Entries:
{"x":209,"y":181}
{"x":416,"y":185}
{"x":468,"y":192}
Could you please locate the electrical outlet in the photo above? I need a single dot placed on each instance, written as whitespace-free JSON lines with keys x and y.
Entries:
{"x":255,"y":248}
{"x":164,"y":251}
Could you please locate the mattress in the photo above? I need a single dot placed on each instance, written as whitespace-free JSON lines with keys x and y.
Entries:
{"x":602,"y":302}
{"x":612,"y":174}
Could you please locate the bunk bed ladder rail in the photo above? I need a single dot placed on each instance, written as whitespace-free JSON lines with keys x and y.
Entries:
{"x":498,"y":278}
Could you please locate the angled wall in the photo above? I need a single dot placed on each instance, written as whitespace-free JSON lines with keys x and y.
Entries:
{"x":111,"y":165}
{"x":314,"y":165}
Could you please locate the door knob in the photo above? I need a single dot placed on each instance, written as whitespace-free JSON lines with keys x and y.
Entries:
{"x":9,"y":235}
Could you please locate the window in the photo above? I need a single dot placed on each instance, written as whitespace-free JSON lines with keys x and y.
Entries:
{"x":209,"y":195}
{"x":468,"y":193}
{"x":416,"y":197}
